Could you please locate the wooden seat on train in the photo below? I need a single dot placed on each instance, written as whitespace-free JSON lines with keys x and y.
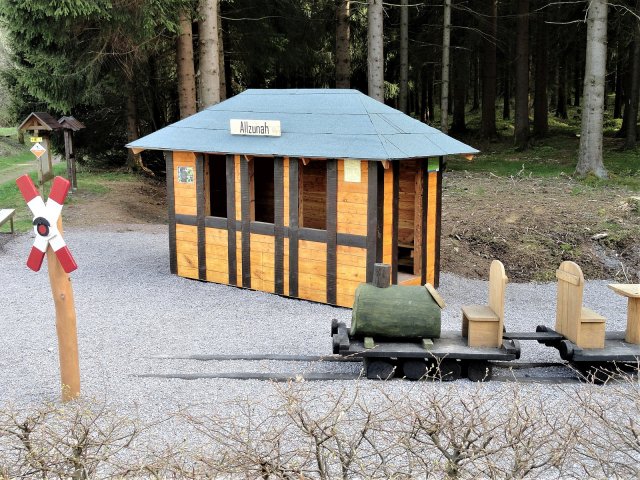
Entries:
{"x":581,"y":325}
{"x":483,"y":324}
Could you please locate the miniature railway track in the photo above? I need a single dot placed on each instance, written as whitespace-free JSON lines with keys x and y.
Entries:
{"x":315,"y":376}
{"x":503,"y":371}
{"x":327,"y":358}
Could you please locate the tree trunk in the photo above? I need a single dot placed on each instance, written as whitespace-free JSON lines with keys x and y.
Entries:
{"x":424,"y":113}
{"x":430,"y":94}
{"x":404,"y":54}
{"x":186,"y":73}
{"x":561,"y":105}
{"x":446,"y":47}
{"x":590,"y":153}
{"x":460,"y":84}
{"x":521,"y":126}
{"x":133,"y":160}
{"x":632,"y":105}
{"x":222,"y":69}
{"x":506,"y":94}
{"x":541,"y":101}
{"x":619,"y":102}
{"x":475,"y":80}
{"x":375,"y":54}
{"x":489,"y":66}
{"x":576,"y":81}
{"x":209,"y":54}
{"x":343,"y":52}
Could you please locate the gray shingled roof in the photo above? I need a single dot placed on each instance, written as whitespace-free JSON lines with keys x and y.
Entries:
{"x":315,"y":124}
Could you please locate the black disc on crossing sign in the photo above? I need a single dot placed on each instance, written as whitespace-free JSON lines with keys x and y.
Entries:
{"x":42,"y":226}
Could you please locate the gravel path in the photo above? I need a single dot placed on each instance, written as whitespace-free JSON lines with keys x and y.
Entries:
{"x":131,"y":309}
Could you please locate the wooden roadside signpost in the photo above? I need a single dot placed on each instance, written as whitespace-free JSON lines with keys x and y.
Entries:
{"x":47,"y":224}
{"x":41,"y":125}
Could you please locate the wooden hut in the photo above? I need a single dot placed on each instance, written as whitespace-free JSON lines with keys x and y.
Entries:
{"x":300,"y":192}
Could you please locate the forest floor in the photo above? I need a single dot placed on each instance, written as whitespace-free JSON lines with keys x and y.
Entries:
{"x":533,"y":223}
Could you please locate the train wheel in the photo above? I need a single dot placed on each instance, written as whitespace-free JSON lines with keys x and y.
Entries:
{"x":414,"y":369}
{"x":479,"y":371}
{"x":450,"y":370}
{"x":379,"y":369}
{"x":335,"y":340}
{"x":334,"y":326}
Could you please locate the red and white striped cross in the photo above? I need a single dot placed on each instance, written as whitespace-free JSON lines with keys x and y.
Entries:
{"x":45,"y":222}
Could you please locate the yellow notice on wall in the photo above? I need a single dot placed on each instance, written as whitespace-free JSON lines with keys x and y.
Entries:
{"x":352,"y":171}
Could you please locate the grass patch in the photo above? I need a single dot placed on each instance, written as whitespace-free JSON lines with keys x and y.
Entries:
{"x":96,"y":183}
{"x":552,"y":157}
{"x":8,"y":132}
{"x":12,"y":161}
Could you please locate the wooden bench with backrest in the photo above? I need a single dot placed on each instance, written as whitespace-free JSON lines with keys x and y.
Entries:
{"x":7,"y":214}
{"x":582,"y":326}
{"x":483,"y":324}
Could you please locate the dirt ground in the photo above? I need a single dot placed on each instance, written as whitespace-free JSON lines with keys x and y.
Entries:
{"x":533,"y":224}
{"x":139,"y":201}
{"x":530,"y":224}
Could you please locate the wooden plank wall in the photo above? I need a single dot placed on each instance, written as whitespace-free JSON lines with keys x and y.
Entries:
{"x":406,"y":205}
{"x":185,"y":204}
{"x":351,"y":226}
{"x":217,"y":255}
{"x":262,"y":262}
{"x":352,"y":219}
{"x":352,"y":202}
{"x":312,"y":270}
{"x":313,"y":195}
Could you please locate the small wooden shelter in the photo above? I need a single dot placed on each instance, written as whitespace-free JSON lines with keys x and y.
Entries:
{"x":70,"y":126}
{"x":300,"y":192}
{"x":41,"y":125}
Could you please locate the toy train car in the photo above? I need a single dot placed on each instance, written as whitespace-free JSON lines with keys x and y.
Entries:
{"x":396,"y":330}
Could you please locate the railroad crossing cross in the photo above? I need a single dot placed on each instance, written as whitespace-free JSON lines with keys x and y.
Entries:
{"x":45,"y":222}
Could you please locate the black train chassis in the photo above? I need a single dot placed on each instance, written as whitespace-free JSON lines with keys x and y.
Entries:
{"x":448,"y":357}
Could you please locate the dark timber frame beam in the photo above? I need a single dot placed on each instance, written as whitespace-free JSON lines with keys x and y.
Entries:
{"x":200,"y":214}
{"x":171,"y":201}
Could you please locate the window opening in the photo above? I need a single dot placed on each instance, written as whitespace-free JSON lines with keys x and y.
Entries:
{"x":410,"y":218}
{"x":218,"y":185}
{"x":262,"y":190}
{"x":312,"y":196}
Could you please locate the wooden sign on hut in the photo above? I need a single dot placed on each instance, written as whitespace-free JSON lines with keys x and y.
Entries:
{"x":300,"y":192}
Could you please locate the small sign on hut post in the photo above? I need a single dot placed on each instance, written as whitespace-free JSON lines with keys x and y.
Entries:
{"x":47,"y":225}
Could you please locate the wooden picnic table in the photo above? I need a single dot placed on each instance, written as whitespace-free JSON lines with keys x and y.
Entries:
{"x":632,"y":292}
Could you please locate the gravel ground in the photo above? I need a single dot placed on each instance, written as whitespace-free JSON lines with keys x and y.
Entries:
{"x":130,"y":309}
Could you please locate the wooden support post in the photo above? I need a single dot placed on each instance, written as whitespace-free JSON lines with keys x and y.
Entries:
{"x":67,"y":155}
{"x":381,"y":275}
{"x":65,"y":325}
